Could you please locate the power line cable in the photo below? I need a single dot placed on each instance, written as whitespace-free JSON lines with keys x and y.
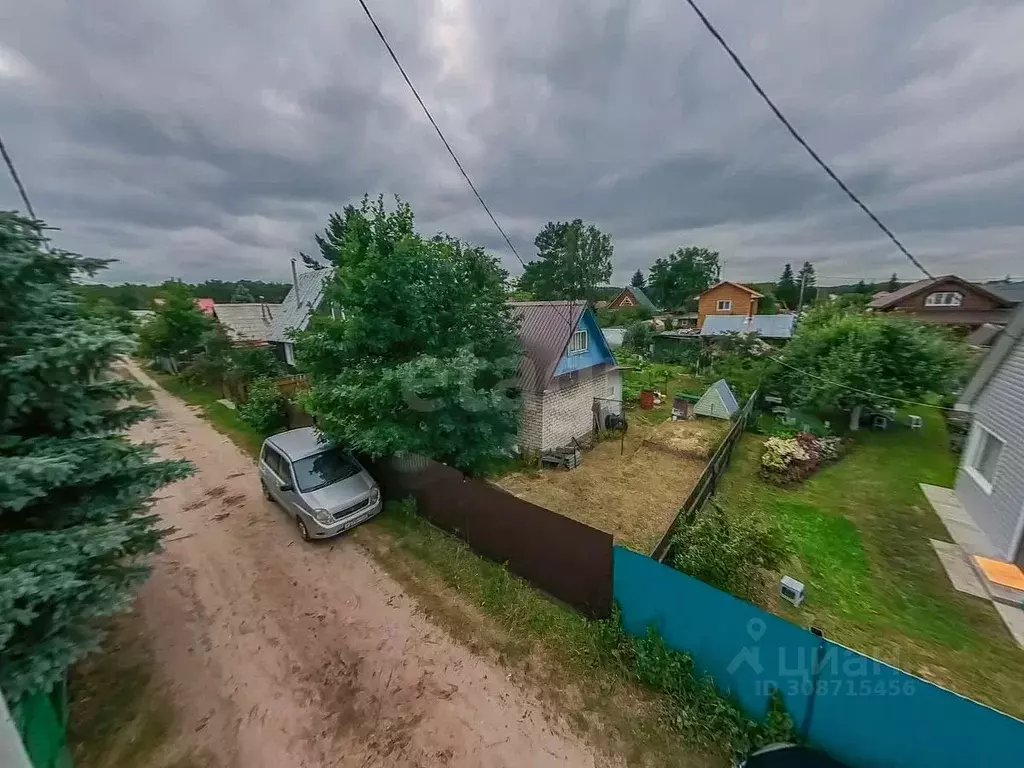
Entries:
{"x":430,"y":117}
{"x":861,"y":391}
{"x":17,"y":180}
{"x":800,"y":139}
{"x":440,"y":134}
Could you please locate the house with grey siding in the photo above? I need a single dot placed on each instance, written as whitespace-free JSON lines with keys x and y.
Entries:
{"x":990,"y":481}
{"x":305,"y":299}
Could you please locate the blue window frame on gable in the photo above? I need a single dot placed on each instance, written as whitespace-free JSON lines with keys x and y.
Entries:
{"x":579,"y":343}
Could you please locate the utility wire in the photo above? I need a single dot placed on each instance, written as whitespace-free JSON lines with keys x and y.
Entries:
{"x":440,"y":134}
{"x":17,"y":180}
{"x":861,"y":391}
{"x":800,"y":139}
{"x":430,"y":117}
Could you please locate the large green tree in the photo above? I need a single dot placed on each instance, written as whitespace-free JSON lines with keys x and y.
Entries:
{"x":178,"y":327}
{"x":423,"y":362}
{"x":638,"y":280}
{"x":787,"y":290}
{"x":75,"y":494}
{"x":573,"y":259}
{"x":841,"y":360}
{"x":241,"y":295}
{"x":676,"y":281}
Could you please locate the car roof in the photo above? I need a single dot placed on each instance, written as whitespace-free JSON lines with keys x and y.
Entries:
{"x":298,"y":443}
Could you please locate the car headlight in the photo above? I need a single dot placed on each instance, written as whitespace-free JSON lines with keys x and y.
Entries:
{"x":374,"y":495}
{"x":323,"y":517}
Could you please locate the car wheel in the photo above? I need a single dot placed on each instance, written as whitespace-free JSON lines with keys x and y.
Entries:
{"x":266,"y":491}
{"x":303,"y":531}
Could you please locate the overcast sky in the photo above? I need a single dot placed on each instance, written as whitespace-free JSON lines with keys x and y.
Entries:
{"x":211,"y":138}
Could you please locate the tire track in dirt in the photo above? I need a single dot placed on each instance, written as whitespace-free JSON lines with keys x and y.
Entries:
{"x":279,"y":653}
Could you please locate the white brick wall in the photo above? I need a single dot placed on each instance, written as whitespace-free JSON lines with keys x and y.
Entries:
{"x":531,"y":431}
{"x":553,"y":419}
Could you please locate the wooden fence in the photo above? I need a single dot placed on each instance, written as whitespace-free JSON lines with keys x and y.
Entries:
{"x":567,"y":559}
{"x":704,"y":488}
{"x":289,"y":386}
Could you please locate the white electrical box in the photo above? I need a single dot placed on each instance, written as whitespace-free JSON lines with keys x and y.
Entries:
{"x":792,"y":590}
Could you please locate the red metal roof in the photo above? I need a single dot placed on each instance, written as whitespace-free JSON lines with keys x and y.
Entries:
{"x":543,"y":330}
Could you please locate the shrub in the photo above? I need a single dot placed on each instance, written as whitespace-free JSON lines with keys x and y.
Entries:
{"x":700,"y":712}
{"x":255,"y":363}
{"x":787,"y":461}
{"x":831,"y":448}
{"x":264,"y":410}
{"x":730,"y":554}
{"x":638,"y":338}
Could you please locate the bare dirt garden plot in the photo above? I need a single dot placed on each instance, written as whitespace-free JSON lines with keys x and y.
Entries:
{"x":635,"y":495}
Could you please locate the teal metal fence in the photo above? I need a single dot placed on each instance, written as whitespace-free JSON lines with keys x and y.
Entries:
{"x":862,"y":711}
{"x":41,"y":719}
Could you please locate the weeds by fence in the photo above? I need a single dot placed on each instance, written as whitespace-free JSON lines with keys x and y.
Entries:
{"x":704,"y":488}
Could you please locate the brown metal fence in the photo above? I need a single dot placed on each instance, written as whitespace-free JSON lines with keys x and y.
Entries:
{"x":704,"y":488}
{"x":567,"y":559}
{"x":289,"y":386}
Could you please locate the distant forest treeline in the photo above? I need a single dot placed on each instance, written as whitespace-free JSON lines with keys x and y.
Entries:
{"x":140,"y":296}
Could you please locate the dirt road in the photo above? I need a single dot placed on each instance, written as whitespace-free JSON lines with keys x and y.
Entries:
{"x":284,"y":654}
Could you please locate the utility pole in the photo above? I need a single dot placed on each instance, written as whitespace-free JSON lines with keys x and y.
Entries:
{"x":800,"y":301}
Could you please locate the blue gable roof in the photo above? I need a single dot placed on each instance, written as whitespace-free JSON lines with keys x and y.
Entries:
{"x":597,"y":351}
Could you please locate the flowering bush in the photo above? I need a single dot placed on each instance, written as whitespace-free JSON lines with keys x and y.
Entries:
{"x":831,"y":448}
{"x":786,"y":461}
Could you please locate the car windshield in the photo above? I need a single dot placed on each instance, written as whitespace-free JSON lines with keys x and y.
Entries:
{"x":323,"y":469}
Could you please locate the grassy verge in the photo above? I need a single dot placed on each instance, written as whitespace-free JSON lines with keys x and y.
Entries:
{"x":119,"y":715}
{"x":224,"y":419}
{"x":632,"y":697}
{"x":859,"y":530}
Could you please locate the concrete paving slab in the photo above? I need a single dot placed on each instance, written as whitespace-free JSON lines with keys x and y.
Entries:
{"x":1013,"y":618}
{"x":962,"y":528}
{"x":959,"y":569}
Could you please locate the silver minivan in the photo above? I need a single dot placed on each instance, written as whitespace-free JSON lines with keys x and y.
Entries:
{"x":318,"y":484}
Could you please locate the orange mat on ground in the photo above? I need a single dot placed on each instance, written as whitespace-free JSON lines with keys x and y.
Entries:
{"x":1004,"y":574}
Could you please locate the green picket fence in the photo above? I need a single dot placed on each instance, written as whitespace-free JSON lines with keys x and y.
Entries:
{"x":42,"y":720}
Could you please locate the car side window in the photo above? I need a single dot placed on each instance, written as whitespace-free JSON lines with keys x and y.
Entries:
{"x":275,"y":462}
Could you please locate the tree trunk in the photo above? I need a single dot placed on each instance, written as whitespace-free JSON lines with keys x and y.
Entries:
{"x":855,"y":418}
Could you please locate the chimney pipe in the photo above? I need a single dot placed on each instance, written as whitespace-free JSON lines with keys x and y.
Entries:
{"x":295,"y":284}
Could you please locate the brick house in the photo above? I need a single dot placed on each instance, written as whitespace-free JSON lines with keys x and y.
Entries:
{"x":947,"y":300}
{"x":726,"y":298}
{"x":566,"y":364}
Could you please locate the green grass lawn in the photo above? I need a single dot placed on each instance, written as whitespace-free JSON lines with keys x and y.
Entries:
{"x":224,"y":420}
{"x":859,"y":530}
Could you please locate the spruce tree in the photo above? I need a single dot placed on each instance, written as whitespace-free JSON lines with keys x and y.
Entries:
{"x":75,"y":493}
{"x":786,"y":290}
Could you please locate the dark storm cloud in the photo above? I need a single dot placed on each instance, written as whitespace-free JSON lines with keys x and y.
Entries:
{"x":211,"y":139}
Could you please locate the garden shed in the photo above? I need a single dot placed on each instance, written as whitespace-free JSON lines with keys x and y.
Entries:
{"x":718,"y":402}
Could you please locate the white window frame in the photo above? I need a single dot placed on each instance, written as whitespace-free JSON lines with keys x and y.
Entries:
{"x":724,"y":305}
{"x":289,"y":353}
{"x":579,"y":342}
{"x":944,"y":299}
{"x":974,"y":454}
